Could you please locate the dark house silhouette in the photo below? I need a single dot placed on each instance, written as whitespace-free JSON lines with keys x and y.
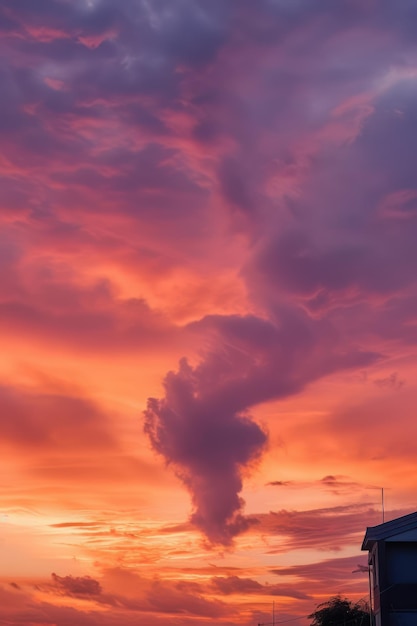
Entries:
{"x":392,"y":563}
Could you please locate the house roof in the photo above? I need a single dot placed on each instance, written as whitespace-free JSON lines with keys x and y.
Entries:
{"x":389,"y":529}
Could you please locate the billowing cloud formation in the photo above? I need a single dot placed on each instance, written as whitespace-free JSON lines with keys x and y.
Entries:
{"x":202,"y":425}
{"x":209,"y":442}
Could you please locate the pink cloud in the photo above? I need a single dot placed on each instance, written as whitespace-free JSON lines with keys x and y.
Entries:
{"x":52,"y":422}
{"x":321,"y":529}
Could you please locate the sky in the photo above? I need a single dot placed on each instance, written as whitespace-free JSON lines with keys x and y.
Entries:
{"x":208,"y":305}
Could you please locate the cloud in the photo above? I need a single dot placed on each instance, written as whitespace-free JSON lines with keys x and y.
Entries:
{"x":342,"y":484}
{"x":390,"y":381}
{"x":44,"y":300}
{"x":141,"y":595}
{"x":320,"y":529}
{"x":347,"y":575}
{"x":209,"y":446}
{"x":248,"y":586}
{"x":52,"y":422}
{"x":202,"y":426}
{"x":77,"y":585}
{"x":24,"y":607}
{"x":335,"y":484}
{"x":280,"y":483}
{"x":177,"y":599}
{"x":372,"y":417}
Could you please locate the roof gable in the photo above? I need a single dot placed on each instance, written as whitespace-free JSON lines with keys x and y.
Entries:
{"x":390,"y":530}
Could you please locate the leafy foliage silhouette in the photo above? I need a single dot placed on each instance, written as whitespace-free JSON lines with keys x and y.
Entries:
{"x":340,"y":612}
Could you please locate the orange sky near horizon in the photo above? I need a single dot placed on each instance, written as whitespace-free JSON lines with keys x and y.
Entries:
{"x":207,"y":305}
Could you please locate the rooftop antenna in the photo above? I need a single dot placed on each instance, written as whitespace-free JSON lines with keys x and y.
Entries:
{"x":382,"y":501}
{"x":273,"y":614}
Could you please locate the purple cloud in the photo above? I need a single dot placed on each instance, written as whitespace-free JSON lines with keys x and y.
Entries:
{"x":209,"y":444}
{"x":78,"y":586}
{"x":202,"y":425}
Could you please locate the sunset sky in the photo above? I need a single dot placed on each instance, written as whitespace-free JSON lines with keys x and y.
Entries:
{"x":208,"y":305}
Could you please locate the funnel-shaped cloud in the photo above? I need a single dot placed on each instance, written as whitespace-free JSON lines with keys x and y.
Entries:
{"x":202,"y":425}
{"x":209,"y":444}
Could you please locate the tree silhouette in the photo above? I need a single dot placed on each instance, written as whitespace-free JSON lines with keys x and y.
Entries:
{"x":340,"y":612}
